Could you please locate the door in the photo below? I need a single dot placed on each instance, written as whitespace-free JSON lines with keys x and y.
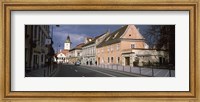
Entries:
{"x":160,"y":60}
{"x":127,"y":60}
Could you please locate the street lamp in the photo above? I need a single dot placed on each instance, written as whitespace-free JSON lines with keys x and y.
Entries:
{"x":52,"y":30}
{"x":51,"y":51}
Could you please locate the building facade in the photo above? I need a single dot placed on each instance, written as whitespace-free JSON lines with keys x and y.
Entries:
{"x":36,"y":49}
{"x":89,"y":49}
{"x":88,"y":52}
{"x":61,"y":56}
{"x":127,"y":47}
{"x":75,"y":54}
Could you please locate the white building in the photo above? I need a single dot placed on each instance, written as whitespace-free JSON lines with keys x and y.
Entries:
{"x":89,"y":49}
{"x":142,"y":57}
{"x":75,"y":54}
{"x":63,"y":54}
{"x":89,"y":52}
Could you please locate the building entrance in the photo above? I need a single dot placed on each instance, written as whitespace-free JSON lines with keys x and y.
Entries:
{"x":127,"y":60}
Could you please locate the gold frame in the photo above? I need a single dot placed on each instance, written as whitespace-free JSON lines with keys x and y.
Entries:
{"x":9,"y":5}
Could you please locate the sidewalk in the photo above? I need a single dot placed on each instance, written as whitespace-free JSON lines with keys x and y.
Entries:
{"x":143,"y":71}
{"x":118,"y":71}
{"x":42,"y":72}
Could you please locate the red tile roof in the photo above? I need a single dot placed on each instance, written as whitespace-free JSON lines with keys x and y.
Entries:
{"x":65,"y":52}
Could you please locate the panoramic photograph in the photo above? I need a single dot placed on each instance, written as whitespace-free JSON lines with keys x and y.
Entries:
{"x":130,"y":50}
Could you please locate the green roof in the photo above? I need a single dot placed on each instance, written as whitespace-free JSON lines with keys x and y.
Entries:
{"x":68,"y":40}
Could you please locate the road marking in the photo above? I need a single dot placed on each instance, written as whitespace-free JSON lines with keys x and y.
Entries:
{"x":101,"y":72}
{"x":76,"y":70}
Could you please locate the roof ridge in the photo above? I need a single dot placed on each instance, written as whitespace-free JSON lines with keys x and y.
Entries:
{"x":110,"y":39}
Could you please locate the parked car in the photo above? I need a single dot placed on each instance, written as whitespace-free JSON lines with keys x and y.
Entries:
{"x":77,"y":63}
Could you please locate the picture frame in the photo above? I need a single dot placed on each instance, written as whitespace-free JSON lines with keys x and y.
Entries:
{"x":119,"y":5}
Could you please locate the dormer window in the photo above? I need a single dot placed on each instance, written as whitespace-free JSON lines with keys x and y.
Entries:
{"x":115,"y":35}
{"x":108,"y":38}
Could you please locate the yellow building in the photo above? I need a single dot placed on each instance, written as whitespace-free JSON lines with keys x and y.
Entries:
{"x":75,"y":54}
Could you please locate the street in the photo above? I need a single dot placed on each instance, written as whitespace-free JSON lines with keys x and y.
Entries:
{"x":84,"y":71}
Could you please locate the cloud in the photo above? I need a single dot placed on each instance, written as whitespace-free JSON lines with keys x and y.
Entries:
{"x":61,"y":36}
{"x":77,"y":38}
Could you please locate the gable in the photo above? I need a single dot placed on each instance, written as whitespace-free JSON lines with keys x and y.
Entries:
{"x":132,"y":33}
{"x":61,"y":55}
{"x":113,"y":37}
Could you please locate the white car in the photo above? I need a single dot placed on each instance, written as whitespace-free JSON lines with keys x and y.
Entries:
{"x":77,"y":63}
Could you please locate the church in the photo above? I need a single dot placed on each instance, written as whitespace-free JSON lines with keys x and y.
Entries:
{"x":61,"y":56}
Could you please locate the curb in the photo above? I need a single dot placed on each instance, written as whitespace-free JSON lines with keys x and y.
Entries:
{"x":125,"y":73}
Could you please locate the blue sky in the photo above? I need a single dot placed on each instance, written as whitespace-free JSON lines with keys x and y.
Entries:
{"x":78,"y":33}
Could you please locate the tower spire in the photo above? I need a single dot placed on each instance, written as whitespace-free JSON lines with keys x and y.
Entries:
{"x":67,"y":43}
{"x":68,"y":40}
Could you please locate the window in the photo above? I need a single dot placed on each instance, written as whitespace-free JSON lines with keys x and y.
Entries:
{"x":115,"y":35}
{"x":108,"y":60}
{"x":118,"y":59}
{"x":111,"y":59}
{"x":132,"y":46}
{"x":91,"y":51}
{"x":42,"y":58}
{"x":129,"y":34}
{"x":108,"y":38}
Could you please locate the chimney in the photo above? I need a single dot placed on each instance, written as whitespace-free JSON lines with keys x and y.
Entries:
{"x":86,"y":41}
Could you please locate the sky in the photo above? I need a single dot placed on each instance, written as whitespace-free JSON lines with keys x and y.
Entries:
{"x":78,"y":33}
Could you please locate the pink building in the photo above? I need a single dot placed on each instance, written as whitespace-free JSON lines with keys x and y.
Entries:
{"x":126,"y":46}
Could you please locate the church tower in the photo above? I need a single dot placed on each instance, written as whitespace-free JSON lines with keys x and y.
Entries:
{"x":67,"y":44}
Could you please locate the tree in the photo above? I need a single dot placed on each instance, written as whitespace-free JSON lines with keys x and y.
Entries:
{"x":162,"y":36}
